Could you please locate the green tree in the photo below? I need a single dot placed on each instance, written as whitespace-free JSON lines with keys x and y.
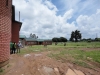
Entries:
{"x":54,"y":39}
{"x":75,"y":35}
{"x":63,"y":39}
{"x":72,"y":36}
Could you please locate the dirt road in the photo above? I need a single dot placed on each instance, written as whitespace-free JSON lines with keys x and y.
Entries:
{"x":41,"y":64}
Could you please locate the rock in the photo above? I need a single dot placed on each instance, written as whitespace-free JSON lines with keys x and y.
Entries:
{"x":56,"y":69}
{"x":37,"y":55}
{"x":27,"y":55}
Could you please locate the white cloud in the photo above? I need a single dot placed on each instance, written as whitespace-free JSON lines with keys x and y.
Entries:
{"x":68,"y":14}
{"x":89,"y":24}
{"x":39,"y":17}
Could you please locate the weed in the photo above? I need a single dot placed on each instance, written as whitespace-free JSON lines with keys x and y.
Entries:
{"x":81,"y":63}
{"x":1,"y":70}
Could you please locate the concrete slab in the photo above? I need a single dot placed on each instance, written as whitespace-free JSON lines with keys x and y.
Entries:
{"x":70,"y":72}
{"x":56,"y":71}
{"x":78,"y":72}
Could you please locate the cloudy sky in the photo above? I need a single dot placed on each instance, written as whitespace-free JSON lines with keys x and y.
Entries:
{"x":58,"y":18}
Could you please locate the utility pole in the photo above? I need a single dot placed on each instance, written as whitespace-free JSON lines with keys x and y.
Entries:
{"x":19,"y":16}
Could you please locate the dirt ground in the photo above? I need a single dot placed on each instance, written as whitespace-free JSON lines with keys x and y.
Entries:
{"x":40,"y":64}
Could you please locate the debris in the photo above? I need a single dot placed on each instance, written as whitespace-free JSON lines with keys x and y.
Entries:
{"x":27,"y":55}
{"x":47,"y":69}
{"x":37,"y":55}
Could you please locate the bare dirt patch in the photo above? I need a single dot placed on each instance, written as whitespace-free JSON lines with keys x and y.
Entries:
{"x":40,"y":64}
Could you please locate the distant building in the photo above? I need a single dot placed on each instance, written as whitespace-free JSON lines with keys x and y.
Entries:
{"x":9,"y":29}
{"x":33,"y":41}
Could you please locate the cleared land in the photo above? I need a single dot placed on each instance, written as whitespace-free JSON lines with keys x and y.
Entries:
{"x":79,"y":58}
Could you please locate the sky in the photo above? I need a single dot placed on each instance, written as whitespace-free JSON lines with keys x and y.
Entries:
{"x":58,"y":18}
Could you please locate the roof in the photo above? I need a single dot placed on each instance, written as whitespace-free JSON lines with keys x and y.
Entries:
{"x":30,"y":39}
{"x":39,"y":40}
{"x":47,"y":39}
{"x":22,"y":36}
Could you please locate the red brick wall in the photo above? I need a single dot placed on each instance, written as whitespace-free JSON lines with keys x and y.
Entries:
{"x":5,"y":29}
{"x":15,"y":31}
{"x":31,"y":43}
{"x":47,"y":42}
{"x":38,"y":43}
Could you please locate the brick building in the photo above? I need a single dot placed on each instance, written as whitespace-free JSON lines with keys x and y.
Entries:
{"x":16,"y":25}
{"x":7,"y":25}
{"x":32,"y":41}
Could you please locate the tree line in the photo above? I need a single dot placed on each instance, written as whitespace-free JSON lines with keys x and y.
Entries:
{"x":75,"y":36}
{"x":61,"y":39}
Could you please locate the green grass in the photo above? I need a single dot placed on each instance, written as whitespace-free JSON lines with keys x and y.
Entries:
{"x":79,"y":44}
{"x":82,"y":63}
{"x":78,"y":57}
{"x":1,"y":70}
{"x":72,"y":52}
{"x":30,"y":49}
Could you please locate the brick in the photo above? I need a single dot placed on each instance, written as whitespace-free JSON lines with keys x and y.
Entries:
{"x":5,"y":29}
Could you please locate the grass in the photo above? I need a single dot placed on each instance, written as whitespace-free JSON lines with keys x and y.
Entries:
{"x":80,"y":44}
{"x":1,"y":71}
{"x":30,"y":49}
{"x":78,"y":57}
{"x":71,"y":52}
{"x":82,"y":63}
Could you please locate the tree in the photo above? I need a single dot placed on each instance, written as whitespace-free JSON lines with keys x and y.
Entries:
{"x":97,"y":39}
{"x":89,"y":40}
{"x":54,"y":39}
{"x":75,"y":35}
{"x":72,"y":36}
{"x":33,"y":36}
{"x":63,"y":39}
